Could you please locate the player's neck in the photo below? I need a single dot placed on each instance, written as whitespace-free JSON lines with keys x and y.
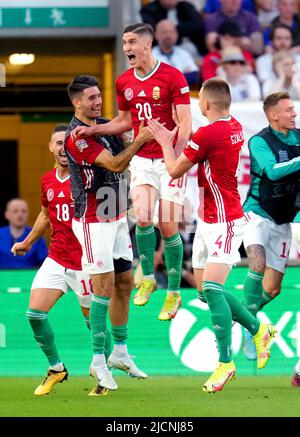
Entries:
{"x":146,"y":67}
{"x":62,"y":172}
{"x":217,"y":115}
{"x":85,"y":120}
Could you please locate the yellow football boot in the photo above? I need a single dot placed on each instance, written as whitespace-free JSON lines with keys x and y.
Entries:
{"x":223,"y":373}
{"x":146,"y":287}
{"x":52,"y":378}
{"x":262,"y":342}
{"x":171,"y":306}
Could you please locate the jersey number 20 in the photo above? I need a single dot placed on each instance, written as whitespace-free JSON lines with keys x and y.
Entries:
{"x":144,"y":111}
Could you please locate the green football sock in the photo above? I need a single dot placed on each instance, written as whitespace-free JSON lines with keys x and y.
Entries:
{"x":173,"y":251}
{"x":146,"y":242}
{"x":87,"y":321}
{"x":253,"y":291}
{"x":120,"y":334}
{"x":221,"y":318}
{"x":265,"y":298}
{"x":43,"y":334}
{"x":107,"y":344}
{"x":240,"y":313}
{"x":98,"y":313}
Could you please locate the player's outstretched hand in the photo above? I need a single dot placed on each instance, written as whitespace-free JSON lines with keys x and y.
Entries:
{"x":81,"y":131}
{"x":161,"y":134}
{"x":144,"y":135}
{"x":20,"y":248}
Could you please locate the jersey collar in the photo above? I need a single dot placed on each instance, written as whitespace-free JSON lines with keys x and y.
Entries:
{"x":61,"y":179}
{"x":142,"y":78}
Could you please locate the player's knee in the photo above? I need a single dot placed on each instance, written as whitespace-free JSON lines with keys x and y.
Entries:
{"x":272,"y":290}
{"x":257,"y":265}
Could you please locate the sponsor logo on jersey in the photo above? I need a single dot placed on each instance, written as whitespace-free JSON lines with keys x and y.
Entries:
{"x":184,"y":90}
{"x":128,"y":94}
{"x":61,"y":194}
{"x":142,"y":94}
{"x":156,"y":93}
{"x":50,"y":194}
{"x":81,"y":144}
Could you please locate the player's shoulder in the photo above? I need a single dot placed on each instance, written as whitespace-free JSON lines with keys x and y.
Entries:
{"x":49,"y":175}
{"x":169,"y":69}
{"x":126,"y":75}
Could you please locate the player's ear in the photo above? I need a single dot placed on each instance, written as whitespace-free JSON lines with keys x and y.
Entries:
{"x":76,"y":103}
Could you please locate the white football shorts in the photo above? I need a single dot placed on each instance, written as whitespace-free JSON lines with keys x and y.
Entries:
{"x":53,"y":275}
{"x":147,"y":171}
{"x":102,"y":243}
{"x":217,"y":243}
{"x":276,"y":239}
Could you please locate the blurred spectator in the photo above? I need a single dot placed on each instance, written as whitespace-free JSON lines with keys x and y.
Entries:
{"x":214,"y":6}
{"x":266,"y":11}
{"x":281,"y":39}
{"x":185,"y":16}
{"x":167,"y":51}
{"x":289,"y":15}
{"x":229,"y":34}
{"x":284,"y":67}
{"x":252,"y":39}
{"x":243,"y":86}
{"x":199,"y":4}
{"x":16,"y":214}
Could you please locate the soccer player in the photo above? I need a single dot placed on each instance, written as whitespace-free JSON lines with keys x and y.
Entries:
{"x":296,"y":238}
{"x":100,"y":224}
{"x":216,"y":148}
{"x":62,"y":268}
{"x":152,"y":89}
{"x":271,"y":204}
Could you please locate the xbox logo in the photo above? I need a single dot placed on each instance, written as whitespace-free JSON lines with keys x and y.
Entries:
{"x":192,"y":338}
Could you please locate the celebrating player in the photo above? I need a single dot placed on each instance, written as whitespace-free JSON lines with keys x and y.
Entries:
{"x":100,"y":224}
{"x":152,"y":89}
{"x":216,"y":148}
{"x":60,"y":270}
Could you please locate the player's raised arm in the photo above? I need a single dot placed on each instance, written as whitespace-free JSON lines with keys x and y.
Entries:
{"x":184,"y":121}
{"x":176,"y":166}
{"x":117,"y":126}
{"x":119,"y":163}
{"x":41,"y":224}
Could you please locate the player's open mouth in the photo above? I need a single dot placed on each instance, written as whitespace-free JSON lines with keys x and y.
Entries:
{"x":131,"y":57}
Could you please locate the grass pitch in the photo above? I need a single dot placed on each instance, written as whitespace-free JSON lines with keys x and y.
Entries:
{"x":259,"y":396}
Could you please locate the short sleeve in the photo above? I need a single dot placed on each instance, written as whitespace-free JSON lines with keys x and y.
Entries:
{"x":197,"y":150}
{"x":122,"y":102}
{"x":44,"y":199}
{"x":180,"y":89}
{"x":84,"y":149}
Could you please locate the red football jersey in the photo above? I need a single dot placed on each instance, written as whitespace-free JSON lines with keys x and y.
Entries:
{"x":217,"y":149}
{"x":56,"y":197}
{"x":152,"y":96}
